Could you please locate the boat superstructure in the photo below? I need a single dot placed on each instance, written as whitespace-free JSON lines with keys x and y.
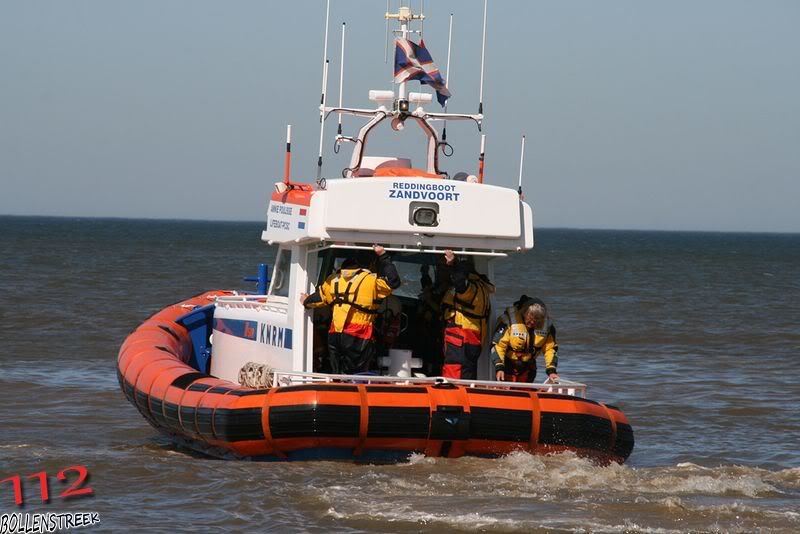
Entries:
{"x":245,"y":375}
{"x":415,"y":212}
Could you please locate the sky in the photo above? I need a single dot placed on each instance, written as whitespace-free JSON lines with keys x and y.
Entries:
{"x":678,"y":115}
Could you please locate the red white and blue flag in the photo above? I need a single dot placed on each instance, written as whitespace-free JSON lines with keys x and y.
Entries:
{"x":412,"y":61}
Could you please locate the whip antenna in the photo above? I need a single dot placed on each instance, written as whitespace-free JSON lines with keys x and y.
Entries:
{"x":521,"y":159}
{"x":447,"y":75}
{"x":322,"y":98}
{"x":325,"y":51}
{"x":422,"y":21}
{"x":386,"y":41}
{"x":483,"y":55}
{"x":341,"y":81}
{"x":322,"y":119}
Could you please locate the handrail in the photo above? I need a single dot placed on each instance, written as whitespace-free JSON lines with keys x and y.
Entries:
{"x":410,"y":248}
{"x":254,"y":302}
{"x":281,"y":378}
{"x":241,"y":298}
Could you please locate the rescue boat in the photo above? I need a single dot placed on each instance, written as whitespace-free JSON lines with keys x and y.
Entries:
{"x":242,"y":375}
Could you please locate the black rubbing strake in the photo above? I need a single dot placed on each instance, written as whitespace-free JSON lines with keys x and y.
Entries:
{"x":187,"y":419}
{"x":168,"y":350}
{"x":142,"y":402}
{"x":624,"y":444}
{"x":184,"y":381}
{"x":398,"y":422}
{"x":395,"y":389}
{"x":314,"y":420}
{"x":157,"y":410}
{"x":248,"y":392}
{"x":169,"y":331}
{"x":171,"y":416}
{"x":501,"y":424}
{"x":204,"y":424}
{"x":498,"y":392}
{"x":239,"y":424}
{"x":317,"y":387}
{"x":450,"y":423}
{"x":575,"y":430}
{"x":566,"y":397}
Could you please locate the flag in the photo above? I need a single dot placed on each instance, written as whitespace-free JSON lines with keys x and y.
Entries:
{"x":412,"y":61}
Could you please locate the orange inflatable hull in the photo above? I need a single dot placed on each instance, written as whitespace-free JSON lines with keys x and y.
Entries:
{"x":363,"y":422}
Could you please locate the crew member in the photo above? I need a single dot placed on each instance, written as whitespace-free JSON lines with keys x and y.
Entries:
{"x":466,"y":310}
{"x":524,"y":331}
{"x":355,"y":293}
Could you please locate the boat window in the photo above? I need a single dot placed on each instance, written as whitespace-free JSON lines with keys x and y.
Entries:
{"x":410,"y":275}
{"x":280,"y":278}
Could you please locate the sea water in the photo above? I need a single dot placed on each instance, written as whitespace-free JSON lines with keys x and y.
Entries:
{"x":694,"y":335}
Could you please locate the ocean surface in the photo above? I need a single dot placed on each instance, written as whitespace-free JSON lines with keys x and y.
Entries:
{"x":696,"y":336}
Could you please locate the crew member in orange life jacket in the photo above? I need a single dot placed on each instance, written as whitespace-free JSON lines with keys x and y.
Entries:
{"x":355,"y":293}
{"x":524,"y":331}
{"x":466,"y":311}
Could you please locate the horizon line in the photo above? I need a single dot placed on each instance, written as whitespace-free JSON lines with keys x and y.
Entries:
{"x":244,"y":221}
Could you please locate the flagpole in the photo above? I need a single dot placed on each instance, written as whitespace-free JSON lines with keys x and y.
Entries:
{"x":401,"y":92}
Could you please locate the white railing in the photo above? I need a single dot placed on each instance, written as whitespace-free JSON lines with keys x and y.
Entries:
{"x":254,"y":302}
{"x":294,"y":378}
{"x":428,"y":249}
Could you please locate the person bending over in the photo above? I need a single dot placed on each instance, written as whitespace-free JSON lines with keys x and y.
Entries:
{"x":524,"y":331}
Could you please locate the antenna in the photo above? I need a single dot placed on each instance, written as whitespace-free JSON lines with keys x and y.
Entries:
{"x":322,"y":119}
{"x":481,"y":158}
{"x":288,"y":154}
{"x":341,"y":80}
{"x":447,"y":75}
{"x":422,"y":21}
{"x":386,"y":41}
{"x":325,"y":51}
{"x":483,"y":55}
{"x":323,"y":97}
{"x":521,"y":159}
